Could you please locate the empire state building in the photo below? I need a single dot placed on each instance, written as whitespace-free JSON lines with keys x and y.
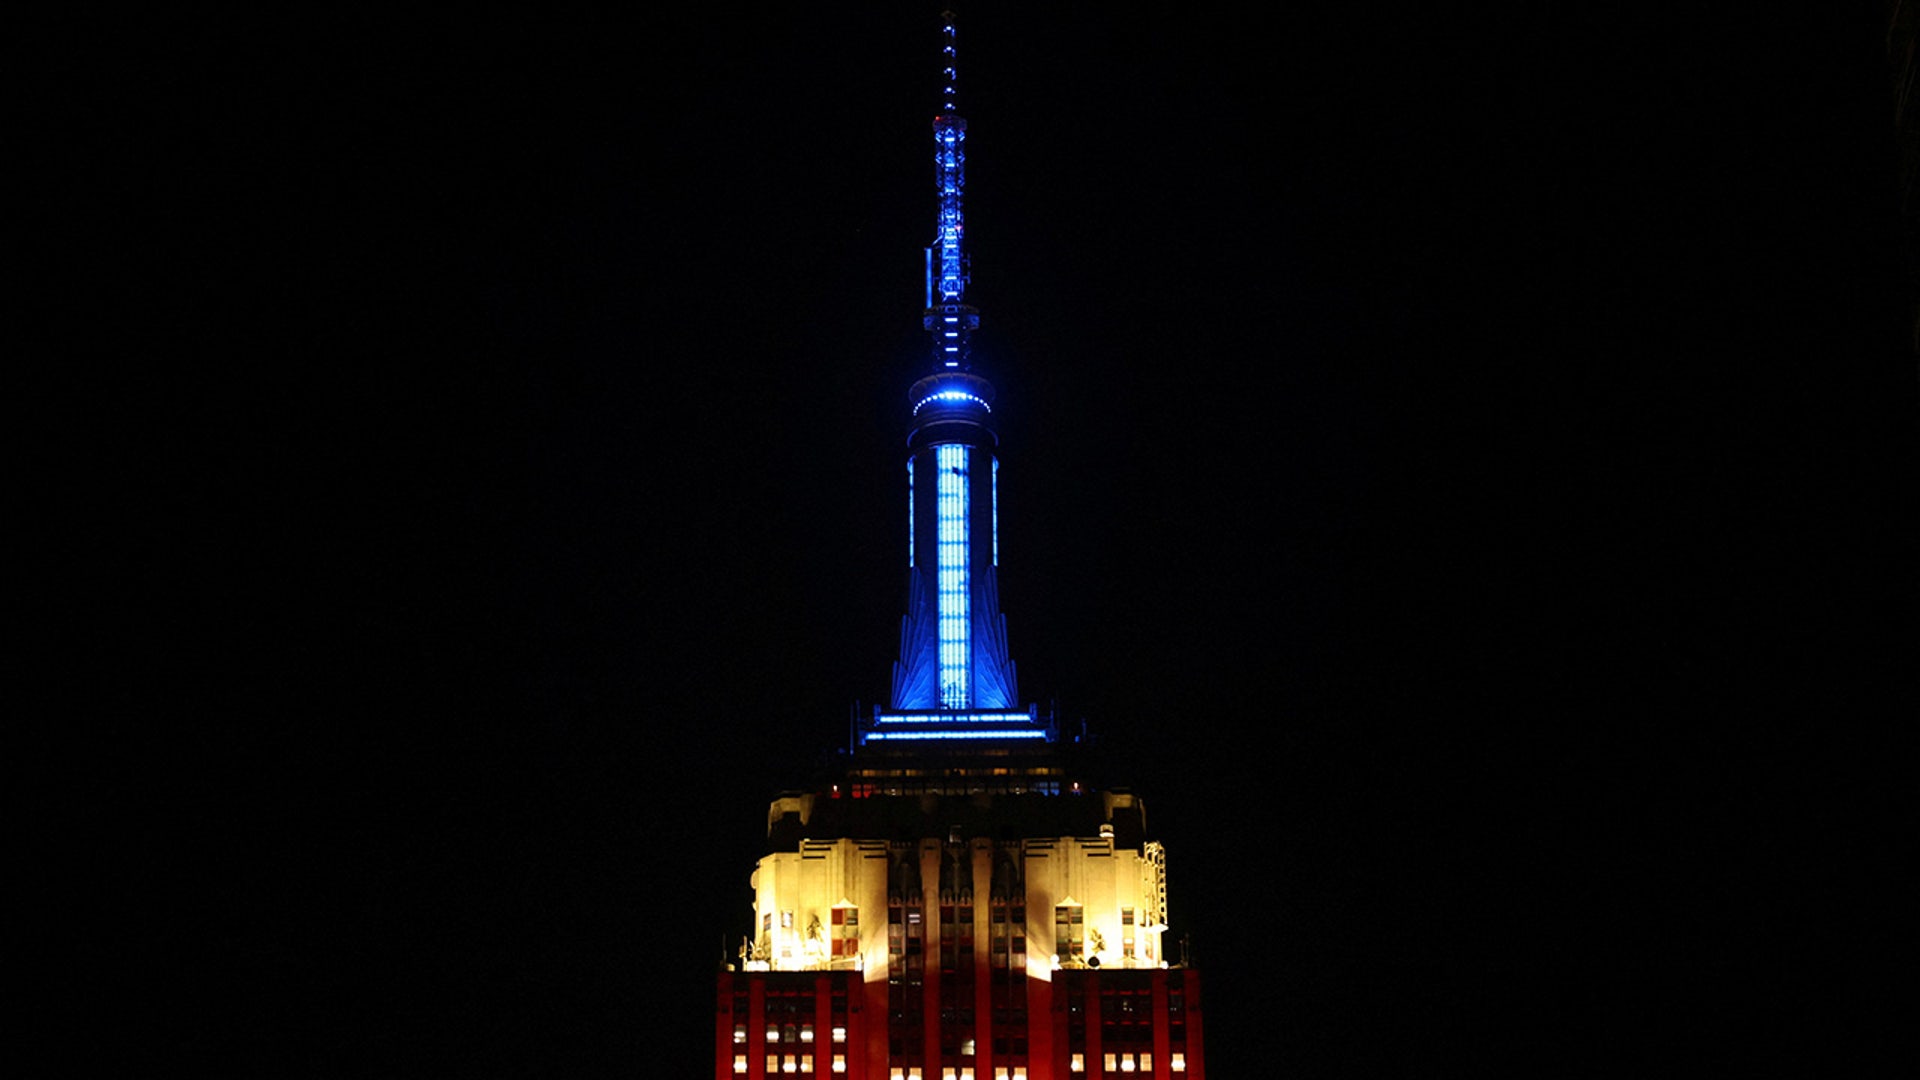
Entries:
{"x":962,"y":897}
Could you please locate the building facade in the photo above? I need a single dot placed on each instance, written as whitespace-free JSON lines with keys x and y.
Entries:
{"x":963,"y":897}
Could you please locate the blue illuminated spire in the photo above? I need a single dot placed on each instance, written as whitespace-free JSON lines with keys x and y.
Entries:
{"x":953,"y":642}
{"x":948,"y":318}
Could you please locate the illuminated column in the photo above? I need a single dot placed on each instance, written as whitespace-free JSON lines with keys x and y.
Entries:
{"x":953,"y":648}
{"x":956,"y":631}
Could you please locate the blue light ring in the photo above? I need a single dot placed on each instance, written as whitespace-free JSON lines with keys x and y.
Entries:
{"x":951,"y":399}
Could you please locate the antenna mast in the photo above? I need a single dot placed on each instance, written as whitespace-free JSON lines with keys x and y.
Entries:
{"x":949,"y":318}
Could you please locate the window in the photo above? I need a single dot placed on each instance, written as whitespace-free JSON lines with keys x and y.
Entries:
{"x":956,"y":940}
{"x":1007,"y":937}
{"x":1069,"y":930}
{"x":846,"y":932}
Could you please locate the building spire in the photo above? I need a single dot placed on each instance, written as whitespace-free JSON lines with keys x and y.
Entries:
{"x":954,"y":678}
{"x":947,"y":53}
{"x":949,"y":318}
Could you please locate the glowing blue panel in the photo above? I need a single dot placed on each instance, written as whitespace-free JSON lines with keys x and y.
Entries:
{"x":909,"y":513}
{"x":996,"y":511}
{"x":993,"y":717}
{"x":932,"y":735}
{"x":909,"y":725}
{"x":951,"y":575}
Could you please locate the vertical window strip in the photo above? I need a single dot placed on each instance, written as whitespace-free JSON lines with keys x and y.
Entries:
{"x":950,"y":488}
{"x":996,"y":511}
{"x":910,"y":562}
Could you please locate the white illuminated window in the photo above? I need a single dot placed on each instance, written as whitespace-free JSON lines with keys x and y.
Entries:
{"x":1126,"y":1063}
{"x":839,"y":1033}
{"x":739,"y":1063}
{"x":739,"y":1033}
{"x":790,"y":1065}
{"x":1078,"y":1063}
{"x":773,"y":1032}
{"x":1146,"y":1062}
{"x":806,"y":1033}
{"x":1177,"y":1061}
{"x":839,"y":1063}
{"x":1112,"y":1064}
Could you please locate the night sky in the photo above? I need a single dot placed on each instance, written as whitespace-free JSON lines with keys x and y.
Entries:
{"x":1466,"y":468}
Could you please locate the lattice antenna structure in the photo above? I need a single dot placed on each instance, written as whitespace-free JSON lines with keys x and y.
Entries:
{"x":954,"y":679}
{"x":948,"y":317}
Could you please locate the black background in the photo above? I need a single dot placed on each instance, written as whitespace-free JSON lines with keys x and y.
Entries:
{"x":1465,"y":466}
